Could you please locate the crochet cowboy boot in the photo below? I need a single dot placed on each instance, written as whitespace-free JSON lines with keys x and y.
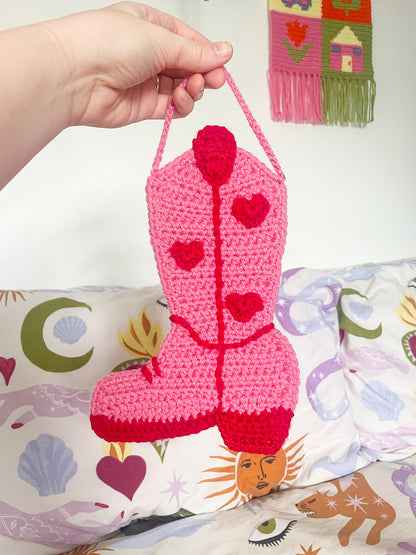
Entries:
{"x":217,"y":223}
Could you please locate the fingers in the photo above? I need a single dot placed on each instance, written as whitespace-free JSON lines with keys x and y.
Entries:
{"x":172,"y":50}
{"x":184,"y":98}
{"x":195,"y":86}
{"x":214,"y":79}
{"x":184,"y":103}
{"x":162,"y":19}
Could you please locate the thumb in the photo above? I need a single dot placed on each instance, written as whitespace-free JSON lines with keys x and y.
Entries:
{"x":197,"y":57}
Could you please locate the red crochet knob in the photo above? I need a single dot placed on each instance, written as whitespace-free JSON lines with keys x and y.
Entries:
{"x":214,"y":150}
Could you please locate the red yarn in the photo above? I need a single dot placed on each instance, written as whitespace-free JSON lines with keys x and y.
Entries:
{"x":127,"y":431}
{"x":262,"y":433}
{"x":243,"y":307}
{"x":251,"y":213}
{"x":214,"y":150}
{"x":181,"y":321}
{"x":187,"y":255}
{"x":219,"y":282}
{"x":156,"y":367}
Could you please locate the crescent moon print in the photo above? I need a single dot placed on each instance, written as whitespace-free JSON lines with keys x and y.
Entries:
{"x":34,"y":345}
{"x":349,"y":325}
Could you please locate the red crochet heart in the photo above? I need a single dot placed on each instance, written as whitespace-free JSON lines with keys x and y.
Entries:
{"x":7,"y":366}
{"x":123,"y":476}
{"x":243,"y":307}
{"x":187,"y":255}
{"x":251,"y":213}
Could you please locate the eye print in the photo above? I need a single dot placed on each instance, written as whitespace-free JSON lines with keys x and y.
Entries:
{"x":271,"y":532}
{"x":162,"y":301}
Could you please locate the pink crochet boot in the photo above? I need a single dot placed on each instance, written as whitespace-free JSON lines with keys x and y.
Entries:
{"x":218,"y":225}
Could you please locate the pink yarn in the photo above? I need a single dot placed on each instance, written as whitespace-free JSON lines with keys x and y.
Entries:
{"x":218,"y":225}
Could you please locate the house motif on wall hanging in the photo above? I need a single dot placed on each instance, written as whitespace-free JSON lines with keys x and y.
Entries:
{"x":347,"y":52}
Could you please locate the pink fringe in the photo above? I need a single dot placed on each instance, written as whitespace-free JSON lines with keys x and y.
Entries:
{"x":295,"y":96}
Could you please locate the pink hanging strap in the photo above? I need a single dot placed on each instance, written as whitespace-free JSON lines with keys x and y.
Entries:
{"x":250,"y":118}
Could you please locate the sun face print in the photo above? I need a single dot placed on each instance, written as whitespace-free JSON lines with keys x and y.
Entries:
{"x":257,"y":474}
{"x":254,"y":475}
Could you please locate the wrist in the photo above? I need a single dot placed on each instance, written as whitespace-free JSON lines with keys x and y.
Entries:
{"x":65,"y":62}
{"x":36,"y":93}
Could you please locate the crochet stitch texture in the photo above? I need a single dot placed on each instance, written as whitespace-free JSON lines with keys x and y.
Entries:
{"x":218,"y":225}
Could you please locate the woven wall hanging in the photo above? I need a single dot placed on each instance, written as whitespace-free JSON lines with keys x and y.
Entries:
{"x":321,"y":67}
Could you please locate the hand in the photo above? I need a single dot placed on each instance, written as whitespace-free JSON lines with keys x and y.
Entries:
{"x":103,"y":68}
{"x":128,"y":60}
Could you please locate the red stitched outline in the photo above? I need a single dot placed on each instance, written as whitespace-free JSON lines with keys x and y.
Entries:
{"x":156,"y":367}
{"x":146,"y":374}
{"x":181,"y":321}
{"x":216,"y":218}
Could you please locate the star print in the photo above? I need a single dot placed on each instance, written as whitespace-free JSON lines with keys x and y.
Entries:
{"x":356,"y":503}
{"x":332,"y":503}
{"x":313,"y":396}
{"x":281,"y":302}
{"x":407,"y":467}
{"x":378,"y":501}
{"x":176,"y":487}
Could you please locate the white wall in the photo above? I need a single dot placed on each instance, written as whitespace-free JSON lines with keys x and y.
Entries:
{"x":76,"y":214}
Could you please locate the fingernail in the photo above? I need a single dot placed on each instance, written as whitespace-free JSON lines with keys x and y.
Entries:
{"x":199,"y":95}
{"x":222,"y":49}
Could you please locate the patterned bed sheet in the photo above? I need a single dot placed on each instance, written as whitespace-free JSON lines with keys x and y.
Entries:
{"x":369,"y":511}
{"x":64,"y":490}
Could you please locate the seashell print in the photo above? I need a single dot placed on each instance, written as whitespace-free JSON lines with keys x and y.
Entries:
{"x":47,"y":464}
{"x":377,"y":397}
{"x":69,"y":329}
